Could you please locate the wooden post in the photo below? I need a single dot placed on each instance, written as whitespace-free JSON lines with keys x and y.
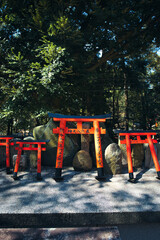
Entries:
{"x":98,"y":150}
{"x":8,"y":171}
{"x":60,"y":150}
{"x":154,"y":156}
{"x":17,"y":161}
{"x":129,"y":157}
{"x":39,"y":162}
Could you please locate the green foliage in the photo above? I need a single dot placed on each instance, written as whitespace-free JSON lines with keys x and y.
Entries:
{"x":71,"y":57}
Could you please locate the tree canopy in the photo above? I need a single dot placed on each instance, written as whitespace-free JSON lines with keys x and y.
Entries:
{"x":78,"y":57}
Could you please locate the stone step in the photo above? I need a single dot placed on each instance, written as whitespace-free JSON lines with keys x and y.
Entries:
{"x":105,"y":233}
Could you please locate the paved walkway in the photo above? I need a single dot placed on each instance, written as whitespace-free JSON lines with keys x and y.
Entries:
{"x":79,"y":201}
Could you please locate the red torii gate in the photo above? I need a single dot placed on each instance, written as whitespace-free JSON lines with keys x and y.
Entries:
{"x":62,"y":130}
{"x":22,"y":146}
{"x":6,"y":141}
{"x":135,"y":137}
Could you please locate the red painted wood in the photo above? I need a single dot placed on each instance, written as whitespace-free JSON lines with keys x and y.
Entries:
{"x":153,"y":152}
{"x":97,"y":141}
{"x":129,"y":157}
{"x":18,"y":157}
{"x":3,"y":144}
{"x":21,"y":147}
{"x":31,"y":148}
{"x":5,"y":141}
{"x":148,"y":139}
{"x":39,"y":158}
{"x":78,"y":131}
{"x":7,"y":153}
{"x":62,"y":130}
{"x":4,"y":138}
{"x":80,"y":119}
{"x":137,"y":141}
{"x":18,"y":142}
{"x":138,"y":134}
{"x":60,"y":148}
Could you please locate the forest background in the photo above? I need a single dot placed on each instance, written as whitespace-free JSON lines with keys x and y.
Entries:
{"x":79,"y":58}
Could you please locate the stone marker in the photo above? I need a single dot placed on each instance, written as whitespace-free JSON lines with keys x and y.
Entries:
{"x":124,"y":155}
{"x":82,"y":160}
{"x":85,"y":138}
{"x":137,"y":155}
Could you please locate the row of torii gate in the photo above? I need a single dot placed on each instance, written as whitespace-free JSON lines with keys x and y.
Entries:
{"x":126,"y":137}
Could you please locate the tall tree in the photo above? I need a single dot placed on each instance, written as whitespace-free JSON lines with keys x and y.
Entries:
{"x":55,"y":52}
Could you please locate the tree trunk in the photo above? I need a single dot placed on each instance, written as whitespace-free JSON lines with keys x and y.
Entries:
{"x":117,"y":110}
{"x":113,"y":105}
{"x":144,"y":102}
{"x":126,"y":102}
{"x":10,"y":127}
{"x":113,"y":99}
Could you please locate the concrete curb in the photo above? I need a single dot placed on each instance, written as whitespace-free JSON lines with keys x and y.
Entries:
{"x":76,"y":219}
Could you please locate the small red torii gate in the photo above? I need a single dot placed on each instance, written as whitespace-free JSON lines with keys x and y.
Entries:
{"x":6,"y":141}
{"x":135,"y":137}
{"x":62,"y":130}
{"x":22,"y":145}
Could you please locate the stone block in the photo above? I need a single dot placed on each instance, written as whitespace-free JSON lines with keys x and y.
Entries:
{"x":85,"y":139}
{"x":137,"y":155}
{"x":124,"y":155}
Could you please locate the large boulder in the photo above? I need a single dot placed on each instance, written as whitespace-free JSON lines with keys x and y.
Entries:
{"x":113,"y":159}
{"x":71,"y":146}
{"x":82,"y":161}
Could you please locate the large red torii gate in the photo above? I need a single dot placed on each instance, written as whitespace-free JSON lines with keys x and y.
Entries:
{"x":62,"y":130}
